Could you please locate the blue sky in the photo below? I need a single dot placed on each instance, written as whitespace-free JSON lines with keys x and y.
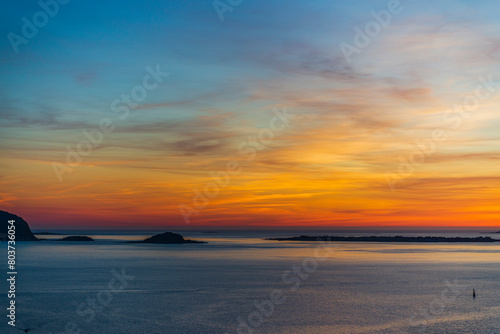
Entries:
{"x":356,"y":118}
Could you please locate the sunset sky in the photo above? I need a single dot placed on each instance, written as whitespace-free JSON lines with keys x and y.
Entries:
{"x":430,"y":76}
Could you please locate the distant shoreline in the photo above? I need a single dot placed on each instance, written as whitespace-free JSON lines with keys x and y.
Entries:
{"x":427,"y":239}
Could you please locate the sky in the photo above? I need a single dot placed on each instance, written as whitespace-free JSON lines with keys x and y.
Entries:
{"x":150,"y":114}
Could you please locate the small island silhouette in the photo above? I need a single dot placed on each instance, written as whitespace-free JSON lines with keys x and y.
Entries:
{"x":76,"y":238}
{"x":167,"y":238}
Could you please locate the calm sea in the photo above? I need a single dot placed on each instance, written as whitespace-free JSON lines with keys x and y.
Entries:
{"x":239,"y":283}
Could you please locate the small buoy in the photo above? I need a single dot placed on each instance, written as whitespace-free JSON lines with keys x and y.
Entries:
{"x":473,"y":293}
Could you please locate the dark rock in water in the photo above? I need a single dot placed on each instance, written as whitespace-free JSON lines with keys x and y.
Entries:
{"x":167,"y":238}
{"x":76,"y":238}
{"x":23,"y":231}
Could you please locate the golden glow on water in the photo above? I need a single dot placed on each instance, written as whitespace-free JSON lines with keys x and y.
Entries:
{"x":263,"y":250}
{"x":259,"y":249}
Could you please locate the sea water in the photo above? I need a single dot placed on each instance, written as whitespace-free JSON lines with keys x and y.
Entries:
{"x":239,"y":283}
